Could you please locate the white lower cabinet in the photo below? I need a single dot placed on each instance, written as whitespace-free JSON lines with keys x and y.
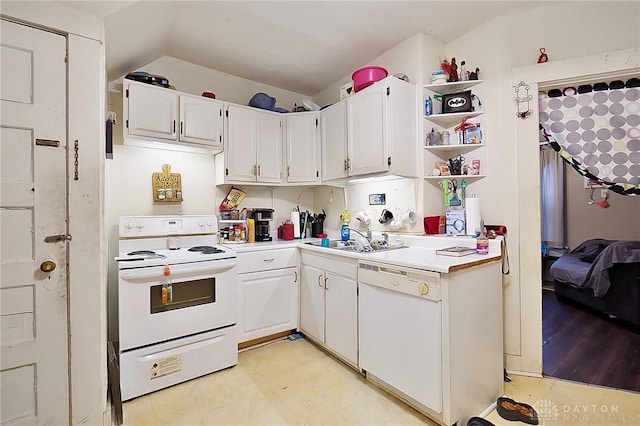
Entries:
{"x":269,"y":298}
{"x":329,"y":303}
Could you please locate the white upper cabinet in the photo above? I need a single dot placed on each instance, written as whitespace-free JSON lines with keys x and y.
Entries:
{"x":201,"y":120}
{"x":333,"y":131}
{"x":302,"y":144}
{"x":159,"y":114}
{"x":377,"y":134}
{"x":252,"y":146}
{"x":368,"y":131}
{"x":150,"y":111}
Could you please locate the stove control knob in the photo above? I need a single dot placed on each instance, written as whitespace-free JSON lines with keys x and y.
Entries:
{"x":201,"y":223}
{"x":139,"y":225}
{"x":128,"y":225}
{"x":209,"y":223}
{"x":424,"y":289}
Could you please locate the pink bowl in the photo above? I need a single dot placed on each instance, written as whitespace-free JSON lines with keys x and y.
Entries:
{"x":367,"y":76}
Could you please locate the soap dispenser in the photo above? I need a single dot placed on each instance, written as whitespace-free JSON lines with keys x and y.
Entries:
{"x":345,"y":233}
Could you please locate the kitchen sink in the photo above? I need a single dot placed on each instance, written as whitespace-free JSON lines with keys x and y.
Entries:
{"x":375,"y":246}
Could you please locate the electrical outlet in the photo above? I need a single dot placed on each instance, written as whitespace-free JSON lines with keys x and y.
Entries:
{"x":604,"y":193}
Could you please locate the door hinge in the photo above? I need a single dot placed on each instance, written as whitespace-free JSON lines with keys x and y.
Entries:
{"x":389,"y":161}
{"x":57,"y":238}
{"x":388,"y":91}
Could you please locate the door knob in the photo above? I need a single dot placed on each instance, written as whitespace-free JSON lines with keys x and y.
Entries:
{"x":48,"y":266}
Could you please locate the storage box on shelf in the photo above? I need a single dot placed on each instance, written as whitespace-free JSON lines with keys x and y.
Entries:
{"x":474,"y":154}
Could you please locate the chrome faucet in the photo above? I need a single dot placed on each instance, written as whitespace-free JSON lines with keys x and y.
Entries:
{"x":368,"y":237}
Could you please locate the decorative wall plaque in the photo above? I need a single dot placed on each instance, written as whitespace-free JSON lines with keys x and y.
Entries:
{"x":167,"y":186}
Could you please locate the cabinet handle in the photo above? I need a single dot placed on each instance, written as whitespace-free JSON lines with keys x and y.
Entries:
{"x":174,"y":126}
{"x":254,"y":169}
{"x":320,"y":281}
{"x":268,"y":260}
{"x":258,"y":170}
{"x":181,"y":131}
{"x":345,"y":165}
{"x":326,"y":285}
{"x":295,"y":274}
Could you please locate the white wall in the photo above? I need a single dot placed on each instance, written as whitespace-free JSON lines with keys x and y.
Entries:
{"x":511,"y":191}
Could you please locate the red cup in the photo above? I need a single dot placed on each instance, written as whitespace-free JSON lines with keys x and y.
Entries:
{"x":432,"y":225}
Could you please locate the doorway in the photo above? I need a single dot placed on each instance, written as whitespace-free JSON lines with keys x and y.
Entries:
{"x":579,"y":344}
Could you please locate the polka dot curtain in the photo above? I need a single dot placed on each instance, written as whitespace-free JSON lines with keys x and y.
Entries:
{"x":598,"y":133}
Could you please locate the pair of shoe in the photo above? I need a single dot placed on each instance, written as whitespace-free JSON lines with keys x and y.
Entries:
{"x":512,"y":410}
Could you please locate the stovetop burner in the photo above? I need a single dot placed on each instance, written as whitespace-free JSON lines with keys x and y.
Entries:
{"x":206,"y":249}
{"x":147,"y":254}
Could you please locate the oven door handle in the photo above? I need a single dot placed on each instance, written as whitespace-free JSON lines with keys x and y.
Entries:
{"x":178,"y":271}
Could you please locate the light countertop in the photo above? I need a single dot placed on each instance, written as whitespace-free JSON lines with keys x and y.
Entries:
{"x":419,"y":251}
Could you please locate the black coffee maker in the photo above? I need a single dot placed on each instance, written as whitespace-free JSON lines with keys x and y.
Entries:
{"x":262,"y":217}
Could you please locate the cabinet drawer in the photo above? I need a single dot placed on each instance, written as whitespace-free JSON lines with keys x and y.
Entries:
{"x":336,"y":264}
{"x":267,"y":260}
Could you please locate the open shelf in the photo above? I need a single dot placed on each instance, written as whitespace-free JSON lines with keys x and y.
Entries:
{"x":454,"y":148}
{"x":449,"y":120}
{"x":459,"y":177}
{"x":452,"y":87}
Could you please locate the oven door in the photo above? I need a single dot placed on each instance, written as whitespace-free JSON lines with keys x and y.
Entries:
{"x":202,"y":297}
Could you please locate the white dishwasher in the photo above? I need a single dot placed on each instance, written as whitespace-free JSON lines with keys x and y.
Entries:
{"x":400,"y":331}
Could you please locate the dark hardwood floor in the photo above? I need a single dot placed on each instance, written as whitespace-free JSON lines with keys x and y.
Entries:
{"x":588,"y":347}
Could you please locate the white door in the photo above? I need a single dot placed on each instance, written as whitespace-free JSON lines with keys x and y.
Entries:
{"x":333,"y":123}
{"x":269,"y":147}
{"x":312,"y":302}
{"x":201,"y":121}
{"x":341,"y":316}
{"x":34,"y":358}
{"x":240,"y":144}
{"x":151,"y":111}
{"x":367,"y":130}
{"x":302,"y":148}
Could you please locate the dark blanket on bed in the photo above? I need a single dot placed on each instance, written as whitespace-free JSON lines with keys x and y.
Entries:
{"x":587,"y":266}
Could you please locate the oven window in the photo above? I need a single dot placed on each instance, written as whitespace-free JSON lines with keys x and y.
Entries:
{"x":182,"y":295}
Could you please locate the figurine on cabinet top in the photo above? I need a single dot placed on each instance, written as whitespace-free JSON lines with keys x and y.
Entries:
{"x":543,"y":56}
{"x":453,"y":74}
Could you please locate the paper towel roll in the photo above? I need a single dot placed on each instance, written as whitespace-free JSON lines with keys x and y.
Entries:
{"x":295,"y":218}
{"x":474,"y":214}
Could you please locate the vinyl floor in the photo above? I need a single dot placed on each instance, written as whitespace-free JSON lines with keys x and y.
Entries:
{"x":295,"y":383}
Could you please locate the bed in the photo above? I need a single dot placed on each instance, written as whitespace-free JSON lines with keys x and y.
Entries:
{"x":603,"y":275}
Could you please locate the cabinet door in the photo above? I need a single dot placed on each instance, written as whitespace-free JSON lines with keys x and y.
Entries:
{"x":240,"y":144}
{"x":268,"y":147}
{"x":201,"y":121}
{"x":152,"y":111}
{"x":368,"y":130}
{"x":333,"y":128}
{"x":269,"y":303}
{"x":341,"y":316}
{"x":312,"y":302}
{"x":302,"y":148}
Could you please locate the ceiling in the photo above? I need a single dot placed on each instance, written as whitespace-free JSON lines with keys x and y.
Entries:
{"x":302,"y":46}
